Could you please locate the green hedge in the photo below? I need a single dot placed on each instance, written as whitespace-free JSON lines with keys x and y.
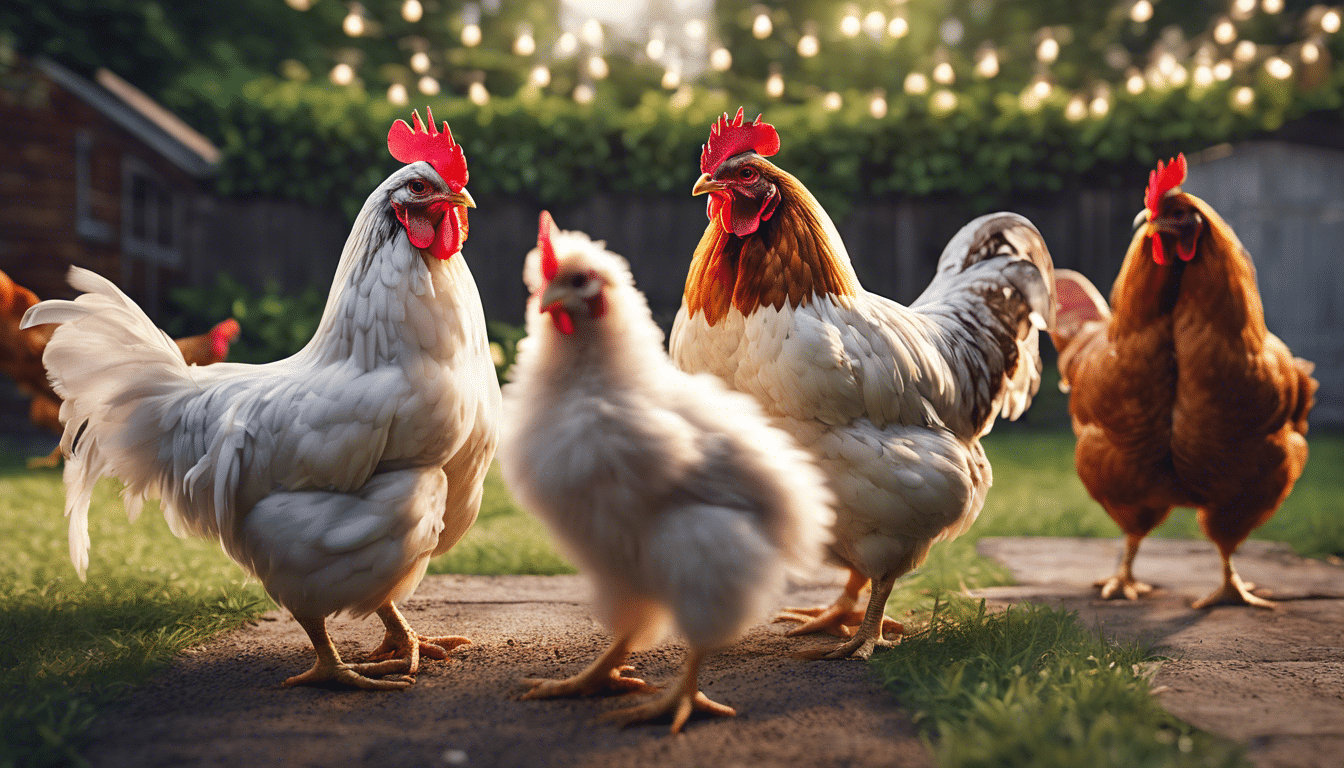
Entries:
{"x":325,"y":145}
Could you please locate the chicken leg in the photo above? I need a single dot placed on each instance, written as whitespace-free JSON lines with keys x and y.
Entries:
{"x":605,"y":674}
{"x":870,"y":634}
{"x":679,"y":701}
{"x":1233,"y":591}
{"x":330,"y":668}
{"x":403,"y":644}
{"x":1123,"y":583}
{"x":837,"y":618}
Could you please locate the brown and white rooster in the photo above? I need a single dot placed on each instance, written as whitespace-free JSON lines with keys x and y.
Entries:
{"x":891,"y":400}
{"x":333,"y":475}
{"x":674,"y":494}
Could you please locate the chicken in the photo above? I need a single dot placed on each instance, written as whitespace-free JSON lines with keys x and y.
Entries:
{"x":334,"y":475}
{"x":21,"y":357}
{"x":1181,"y":397}
{"x":891,"y":400}
{"x":671,"y":491}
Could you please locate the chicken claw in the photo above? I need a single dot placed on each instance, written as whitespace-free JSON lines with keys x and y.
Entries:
{"x":402,"y":646}
{"x":1233,"y":591}
{"x":837,"y":618}
{"x":1123,"y":585}
{"x":330,"y":669}
{"x":587,"y":683}
{"x":679,"y":701}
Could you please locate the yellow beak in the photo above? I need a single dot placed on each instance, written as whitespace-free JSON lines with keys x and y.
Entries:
{"x":704,"y":185}
{"x":554,"y":295}
{"x":462,"y":198}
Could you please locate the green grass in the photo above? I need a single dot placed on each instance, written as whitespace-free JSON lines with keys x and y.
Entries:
{"x":69,"y":649}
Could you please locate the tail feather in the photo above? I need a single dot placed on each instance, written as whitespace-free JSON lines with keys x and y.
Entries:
{"x":994,"y":291}
{"x":119,"y":376}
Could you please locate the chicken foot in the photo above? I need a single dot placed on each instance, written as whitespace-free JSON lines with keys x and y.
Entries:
{"x":402,"y":646}
{"x":605,"y":674}
{"x":870,"y":634}
{"x":1233,"y":591}
{"x":679,"y":701}
{"x":1123,"y":583}
{"x":837,"y":618}
{"x":330,"y":668}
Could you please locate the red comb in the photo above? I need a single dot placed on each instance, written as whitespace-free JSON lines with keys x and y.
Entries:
{"x":549,"y":264}
{"x":730,"y":137}
{"x":1163,"y":180}
{"x":433,"y":146}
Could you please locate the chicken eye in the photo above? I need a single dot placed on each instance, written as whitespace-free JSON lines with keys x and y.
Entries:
{"x":747,"y":174}
{"x":418,"y":187}
{"x":579,"y":280}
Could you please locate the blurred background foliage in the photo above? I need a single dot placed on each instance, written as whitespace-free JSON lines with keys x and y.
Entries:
{"x":256,"y":76}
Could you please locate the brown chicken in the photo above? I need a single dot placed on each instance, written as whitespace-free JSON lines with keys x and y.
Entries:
{"x":21,"y":357}
{"x":1179,"y":395}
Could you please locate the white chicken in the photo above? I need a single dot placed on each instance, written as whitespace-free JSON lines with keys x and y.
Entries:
{"x":333,"y":475}
{"x":891,"y":400}
{"x":669,"y":490}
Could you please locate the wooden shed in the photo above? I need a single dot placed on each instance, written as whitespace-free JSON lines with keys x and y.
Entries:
{"x":97,"y":174}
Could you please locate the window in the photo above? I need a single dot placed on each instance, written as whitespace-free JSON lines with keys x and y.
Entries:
{"x":149,"y":211}
{"x":86,"y":225}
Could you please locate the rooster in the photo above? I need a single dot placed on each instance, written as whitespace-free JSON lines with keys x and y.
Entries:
{"x":1180,"y":396}
{"x":891,"y":400}
{"x":671,"y":491}
{"x":334,"y":475}
{"x":21,"y":358}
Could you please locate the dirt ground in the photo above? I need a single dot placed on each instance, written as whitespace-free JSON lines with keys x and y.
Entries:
{"x":1273,"y":679}
{"x":222,"y":705}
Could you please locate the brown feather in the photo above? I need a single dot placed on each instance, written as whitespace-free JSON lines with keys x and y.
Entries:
{"x":789,"y":259}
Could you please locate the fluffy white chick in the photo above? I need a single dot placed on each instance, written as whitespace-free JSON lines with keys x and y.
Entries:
{"x":673,"y":493}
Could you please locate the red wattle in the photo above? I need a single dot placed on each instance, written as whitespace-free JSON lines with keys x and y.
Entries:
{"x":449,"y":235}
{"x":1185,"y":255}
{"x":1158,"y":255}
{"x":563,"y":322}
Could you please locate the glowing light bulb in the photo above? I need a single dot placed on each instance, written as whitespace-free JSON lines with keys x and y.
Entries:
{"x":1243,"y":97}
{"x":1100,"y":105}
{"x":671,"y":78}
{"x":396,"y":93}
{"x":1135,"y":83}
{"x":1224,"y":31}
{"x":567,"y":44}
{"x":1042,"y":88}
{"x":1243,"y":9}
{"x":898,"y":27}
{"x":477,"y":93}
{"x":299,"y":5}
{"x":682,"y":98}
{"x":943,"y":102}
{"x":696,"y":29}
{"x":1030,"y":100}
{"x":944,"y":74}
{"x":597,"y":67}
{"x":1330,"y":22}
{"x":988,"y":64}
{"x":1076,"y":109}
{"x":1203,"y":76}
{"x":471,"y":35}
{"x":420,"y":62}
{"x":1178,"y":75}
{"x":592,"y":33}
{"x":656,"y":48}
{"x":877,"y":106}
{"x":761,"y":27}
{"x":1272,"y":6}
{"x":832,"y":101}
{"x":1141,"y":11}
{"x":1311,"y":52}
{"x":874,"y":23}
{"x":342,"y":74}
{"x":525,"y":45}
{"x":1278,"y":68}
{"x":850,"y":26}
{"x":916,"y":83}
{"x":1166,"y":63}
{"x":412,"y":11}
{"x":428,"y":85}
{"x":1222,"y":70}
{"x":1244,"y":52}
{"x":540,"y":76}
{"x":584,"y":93}
{"x":353,"y":25}
{"x":774,"y":85}
{"x":808,"y":46}
{"x":1048,"y":50}
{"x":721,"y":59}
